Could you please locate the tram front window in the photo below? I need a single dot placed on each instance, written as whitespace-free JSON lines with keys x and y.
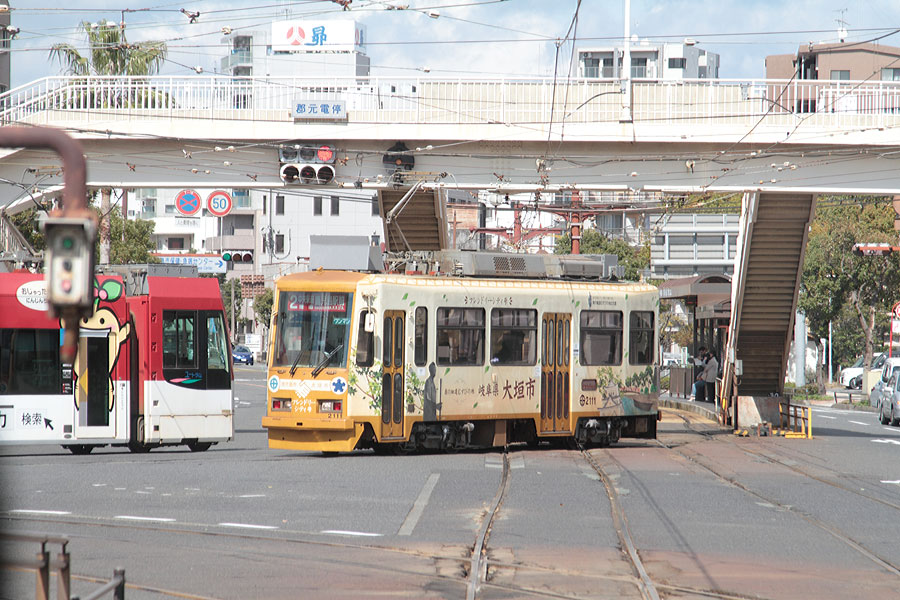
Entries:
{"x":309,"y":326}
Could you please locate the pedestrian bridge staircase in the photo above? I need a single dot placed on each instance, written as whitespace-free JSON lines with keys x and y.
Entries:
{"x":765,"y":287}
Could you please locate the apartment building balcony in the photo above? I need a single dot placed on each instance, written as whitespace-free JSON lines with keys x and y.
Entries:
{"x":237,"y":58}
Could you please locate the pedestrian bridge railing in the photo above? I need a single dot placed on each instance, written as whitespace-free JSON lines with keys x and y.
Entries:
{"x":832,"y":105}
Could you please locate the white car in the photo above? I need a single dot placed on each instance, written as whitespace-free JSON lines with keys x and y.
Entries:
{"x":856,"y":370}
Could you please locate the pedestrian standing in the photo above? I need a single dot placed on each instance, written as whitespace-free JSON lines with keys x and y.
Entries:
{"x":710,"y":373}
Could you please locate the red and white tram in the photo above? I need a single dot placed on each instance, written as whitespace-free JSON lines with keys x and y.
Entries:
{"x":153,"y":366}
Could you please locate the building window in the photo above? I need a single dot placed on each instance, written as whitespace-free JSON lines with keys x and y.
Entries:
{"x":608,"y":69}
{"x":317,"y":205}
{"x":460,"y":336}
{"x":591,"y":67}
{"x":241,"y":198}
{"x":175,"y":243}
{"x":335,"y":206}
{"x":279,"y":243}
{"x":376,"y":210}
{"x":513,"y":336}
{"x":890,"y":74}
{"x":601,"y":337}
{"x":265,"y":204}
{"x":170,"y":209}
{"x":279,"y":205}
{"x":677,"y":63}
{"x":640,"y":338}
{"x":638,"y":68}
{"x":840,"y":75}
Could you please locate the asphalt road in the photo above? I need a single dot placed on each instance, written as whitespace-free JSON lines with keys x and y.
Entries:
{"x":709,"y":513}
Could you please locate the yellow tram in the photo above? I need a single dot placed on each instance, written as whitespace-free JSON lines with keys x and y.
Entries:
{"x":419,"y":361}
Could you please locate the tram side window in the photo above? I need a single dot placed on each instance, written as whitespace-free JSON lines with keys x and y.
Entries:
{"x":29,"y":361}
{"x":513,"y":336}
{"x":179,"y":341}
{"x":601,"y":337}
{"x":641,"y":333}
{"x":365,"y":343}
{"x":216,"y":342}
{"x":460,"y":336}
{"x":421,"y":337}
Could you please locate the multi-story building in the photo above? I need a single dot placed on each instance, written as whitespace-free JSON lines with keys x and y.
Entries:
{"x":649,"y":61}
{"x":837,"y":62}
{"x":689,"y":244}
{"x":298,"y":47}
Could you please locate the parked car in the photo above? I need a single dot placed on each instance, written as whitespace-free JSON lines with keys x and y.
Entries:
{"x":242,"y":354}
{"x":856,"y":370}
{"x":890,"y":410}
{"x":882,"y":388}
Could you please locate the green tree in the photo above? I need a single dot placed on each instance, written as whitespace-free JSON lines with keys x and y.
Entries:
{"x":635,"y":260}
{"x":262,"y":307}
{"x":131,"y":241}
{"x":28,"y":224}
{"x":110,"y":53}
{"x":835,"y":280}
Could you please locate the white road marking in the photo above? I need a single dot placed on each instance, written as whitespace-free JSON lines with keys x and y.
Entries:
{"x":247,"y":526}
{"x":887,"y":442}
{"x":99,"y":484}
{"x":252,"y":496}
{"x":152,"y":519}
{"x":891,"y":429}
{"x":141,"y":492}
{"x":355,"y":533}
{"x":858,"y":423}
{"x":119,"y":489}
{"x":419,"y":505}
{"x":825,"y":417}
{"x":896,"y":482}
{"x":40,"y":512}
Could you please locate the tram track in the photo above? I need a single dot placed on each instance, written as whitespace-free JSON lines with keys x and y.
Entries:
{"x":835,"y":532}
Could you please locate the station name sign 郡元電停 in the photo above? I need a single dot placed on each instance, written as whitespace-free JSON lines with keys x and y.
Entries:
{"x":322,"y":110}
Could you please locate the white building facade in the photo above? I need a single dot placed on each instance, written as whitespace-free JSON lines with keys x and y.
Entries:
{"x":649,"y":61}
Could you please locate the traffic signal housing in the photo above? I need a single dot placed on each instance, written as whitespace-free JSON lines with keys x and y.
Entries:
{"x":70,"y":264}
{"x":306,"y":164}
{"x":237,"y":256}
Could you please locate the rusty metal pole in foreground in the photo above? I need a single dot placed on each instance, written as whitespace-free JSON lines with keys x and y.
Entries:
{"x":74,"y":206}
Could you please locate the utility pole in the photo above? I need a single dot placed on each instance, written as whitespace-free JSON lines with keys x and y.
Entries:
{"x":627,"y":116}
{"x":576,"y":222}
{"x":104,"y":226}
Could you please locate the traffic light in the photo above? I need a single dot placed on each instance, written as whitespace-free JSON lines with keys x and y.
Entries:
{"x":70,"y":263}
{"x":306,"y":164}
{"x":238,"y":256}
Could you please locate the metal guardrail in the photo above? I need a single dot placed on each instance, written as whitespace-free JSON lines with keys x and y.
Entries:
{"x":849,"y":395}
{"x":796,"y":420}
{"x":816,"y":103}
{"x":44,"y":562}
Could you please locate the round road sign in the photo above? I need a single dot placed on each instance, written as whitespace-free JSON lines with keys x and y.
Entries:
{"x":219,"y":203}
{"x":187,"y":202}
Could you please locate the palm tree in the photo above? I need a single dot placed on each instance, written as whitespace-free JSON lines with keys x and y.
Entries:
{"x":110,"y":53}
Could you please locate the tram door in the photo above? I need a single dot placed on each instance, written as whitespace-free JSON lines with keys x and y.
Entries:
{"x":555,"y":372}
{"x":392,"y":382}
{"x":94,"y":395}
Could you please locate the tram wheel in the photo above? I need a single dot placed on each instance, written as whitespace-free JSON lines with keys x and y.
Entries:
{"x":199,"y":446}
{"x":80,"y":449}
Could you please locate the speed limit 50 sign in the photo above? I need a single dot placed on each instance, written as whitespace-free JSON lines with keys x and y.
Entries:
{"x":219,"y":203}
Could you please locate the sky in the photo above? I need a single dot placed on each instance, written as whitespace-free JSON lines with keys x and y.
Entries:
{"x":463,"y":38}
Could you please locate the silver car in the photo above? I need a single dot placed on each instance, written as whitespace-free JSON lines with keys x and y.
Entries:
{"x":890,"y":411}
{"x":882,"y":388}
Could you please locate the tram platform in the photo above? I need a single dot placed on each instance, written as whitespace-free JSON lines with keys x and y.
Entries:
{"x":705,"y":409}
